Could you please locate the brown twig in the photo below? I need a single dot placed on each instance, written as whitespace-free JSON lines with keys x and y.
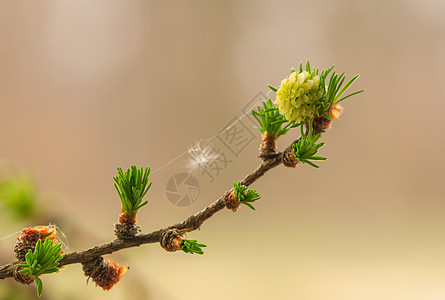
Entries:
{"x":191,"y":223}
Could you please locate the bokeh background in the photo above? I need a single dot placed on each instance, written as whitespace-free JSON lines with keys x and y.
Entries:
{"x":86,"y":86}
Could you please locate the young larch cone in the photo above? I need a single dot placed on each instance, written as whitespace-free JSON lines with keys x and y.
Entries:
{"x":298,"y":95}
{"x":172,"y":240}
{"x":232,"y":202}
{"x":104,"y":272}
{"x":28,"y":238}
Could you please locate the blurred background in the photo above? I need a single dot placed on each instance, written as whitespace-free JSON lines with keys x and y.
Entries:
{"x":86,"y":86}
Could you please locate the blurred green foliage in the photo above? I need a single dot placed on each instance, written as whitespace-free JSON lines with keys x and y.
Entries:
{"x":18,"y":198}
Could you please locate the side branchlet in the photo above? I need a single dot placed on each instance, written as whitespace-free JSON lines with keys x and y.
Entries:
{"x":335,"y":92}
{"x":306,"y":148}
{"x":131,"y":187}
{"x":270,"y":120}
{"x":241,"y":195}
{"x":43,"y":260}
{"x":272,"y":124}
{"x":172,"y":241}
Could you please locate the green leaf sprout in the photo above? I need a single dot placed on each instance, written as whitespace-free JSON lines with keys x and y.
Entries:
{"x":245,"y":195}
{"x":192,"y":247}
{"x":334,"y":90}
{"x":43,"y":260}
{"x":18,"y":197}
{"x":305,"y":148}
{"x":132,"y":187}
{"x":271,"y":121}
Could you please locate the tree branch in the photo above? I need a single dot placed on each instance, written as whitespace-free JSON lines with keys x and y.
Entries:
{"x":318,"y":107}
{"x":191,"y":223}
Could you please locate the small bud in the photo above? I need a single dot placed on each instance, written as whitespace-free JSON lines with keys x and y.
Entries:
{"x":321,"y":124}
{"x":172,"y":240}
{"x":232,"y":202}
{"x":22,"y":278}
{"x":289,"y":159}
{"x":335,"y":111}
{"x":126,"y":228}
{"x":104,"y":272}
{"x":28,"y":238}
{"x":126,"y":231}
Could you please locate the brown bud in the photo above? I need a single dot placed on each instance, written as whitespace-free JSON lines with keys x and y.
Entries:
{"x":104,"y":272}
{"x":321,"y":124}
{"x":127,"y":217}
{"x":171,"y":240}
{"x":335,"y":111}
{"x":232,"y":202}
{"x":22,"y":278}
{"x":28,"y":238}
{"x":126,"y":231}
{"x":288,"y":158}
